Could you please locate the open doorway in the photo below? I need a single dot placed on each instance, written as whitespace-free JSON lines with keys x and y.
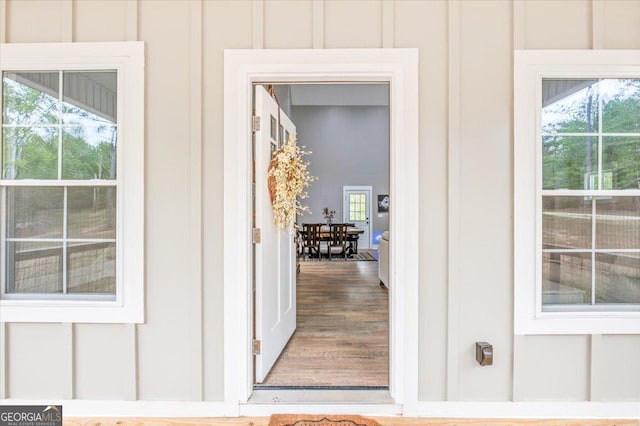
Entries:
{"x":342,"y":335}
{"x":243,"y":68}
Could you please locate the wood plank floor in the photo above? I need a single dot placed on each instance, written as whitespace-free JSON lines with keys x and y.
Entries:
{"x":342,"y":336}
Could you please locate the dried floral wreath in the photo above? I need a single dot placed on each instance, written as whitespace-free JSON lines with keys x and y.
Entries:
{"x":287,"y":180}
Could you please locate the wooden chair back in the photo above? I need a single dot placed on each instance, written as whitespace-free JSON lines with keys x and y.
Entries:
{"x":338,"y":239}
{"x":311,"y":235}
{"x":338,"y":232}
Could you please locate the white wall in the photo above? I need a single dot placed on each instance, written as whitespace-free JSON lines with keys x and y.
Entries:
{"x":466,"y":284}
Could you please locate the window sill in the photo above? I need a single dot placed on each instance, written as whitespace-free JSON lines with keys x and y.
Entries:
{"x":70,"y":312}
{"x":580,"y":323}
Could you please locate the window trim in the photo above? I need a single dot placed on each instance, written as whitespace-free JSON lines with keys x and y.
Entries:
{"x":530,"y":67}
{"x":128,"y":59}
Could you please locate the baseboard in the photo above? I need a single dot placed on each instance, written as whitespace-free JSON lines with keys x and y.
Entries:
{"x":466,"y":410}
{"x":116,"y":408}
{"x":525,"y":410}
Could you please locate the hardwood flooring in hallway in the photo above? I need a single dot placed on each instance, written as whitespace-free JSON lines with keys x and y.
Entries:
{"x":342,"y":335}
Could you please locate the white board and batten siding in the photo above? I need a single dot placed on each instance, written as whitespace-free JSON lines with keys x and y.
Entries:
{"x":465,"y":196}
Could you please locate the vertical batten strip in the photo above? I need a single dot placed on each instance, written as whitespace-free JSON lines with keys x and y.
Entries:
{"x":518,"y":341}
{"x":67,"y":21}
{"x":453,"y":296}
{"x":595,"y":366}
{"x":131,"y":371}
{"x":4,"y":368}
{"x":519,"y":22}
{"x":3,"y":21}
{"x":519,"y":42}
{"x":131,"y":330}
{"x":66,"y":25}
{"x":257,"y":42}
{"x":318,"y":24}
{"x":69,"y":342}
{"x":597,"y":24}
{"x":132,"y":20}
{"x":387,"y":24}
{"x":195,"y":196}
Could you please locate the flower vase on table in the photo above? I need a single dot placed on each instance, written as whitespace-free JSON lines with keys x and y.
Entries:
{"x":328,"y":215}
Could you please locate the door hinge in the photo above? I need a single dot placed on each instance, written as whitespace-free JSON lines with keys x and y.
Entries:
{"x":257,"y":236}
{"x":256,"y":347}
{"x":255,"y":125}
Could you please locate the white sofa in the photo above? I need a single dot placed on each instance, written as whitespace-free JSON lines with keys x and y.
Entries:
{"x":383,"y":259}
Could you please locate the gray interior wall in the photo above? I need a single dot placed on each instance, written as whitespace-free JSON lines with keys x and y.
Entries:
{"x":349,"y":147}
{"x":283,"y":93}
{"x":465,"y":154}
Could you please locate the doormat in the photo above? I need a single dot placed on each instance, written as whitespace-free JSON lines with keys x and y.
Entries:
{"x":320,"y":420}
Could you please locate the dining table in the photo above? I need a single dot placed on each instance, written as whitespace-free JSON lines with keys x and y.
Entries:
{"x":353,"y":234}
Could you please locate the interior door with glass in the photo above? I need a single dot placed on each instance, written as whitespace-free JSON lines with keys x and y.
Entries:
{"x":357,"y":210}
{"x":275,"y":255}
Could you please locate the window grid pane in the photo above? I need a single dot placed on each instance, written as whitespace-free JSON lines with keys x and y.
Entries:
{"x":34,"y":267}
{"x":60,"y":125}
{"x":591,"y":241}
{"x":62,"y":224}
{"x":38,"y":143}
{"x":617,"y":277}
{"x":91,"y":268}
{"x":357,"y":210}
{"x":566,"y":278}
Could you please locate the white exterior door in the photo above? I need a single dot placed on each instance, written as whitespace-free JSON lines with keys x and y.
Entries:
{"x":275,"y":274}
{"x":357,"y":210}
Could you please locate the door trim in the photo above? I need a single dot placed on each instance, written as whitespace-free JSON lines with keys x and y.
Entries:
{"x":243,"y":68}
{"x":345,"y":215}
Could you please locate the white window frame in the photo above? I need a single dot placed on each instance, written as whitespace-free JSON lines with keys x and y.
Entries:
{"x":530,"y":67}
{"x":127,"y":58}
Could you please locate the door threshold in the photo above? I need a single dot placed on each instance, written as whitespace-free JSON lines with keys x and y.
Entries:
{"x":318,"y":387}
{"x":321,"y":396}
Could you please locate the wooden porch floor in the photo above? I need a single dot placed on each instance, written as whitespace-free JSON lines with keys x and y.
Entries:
{"x":342,"y":336}
{"x":384,"y":421}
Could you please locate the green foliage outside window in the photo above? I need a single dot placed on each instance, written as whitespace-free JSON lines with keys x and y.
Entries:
{"x":35,"y":120}
{"x":571,"y":138}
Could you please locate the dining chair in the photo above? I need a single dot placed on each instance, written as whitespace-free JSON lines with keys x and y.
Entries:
{"x":311,"y":237}
{"x":352,"y":240}
{"x":337,"y":240}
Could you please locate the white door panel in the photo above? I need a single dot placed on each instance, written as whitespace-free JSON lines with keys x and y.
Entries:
{"x":275,"y":274}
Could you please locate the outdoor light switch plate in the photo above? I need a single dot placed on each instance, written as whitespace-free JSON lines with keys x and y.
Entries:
{"x":484,"y":353}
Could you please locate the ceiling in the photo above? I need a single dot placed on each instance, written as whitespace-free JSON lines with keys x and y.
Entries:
{"x":339,"y":94}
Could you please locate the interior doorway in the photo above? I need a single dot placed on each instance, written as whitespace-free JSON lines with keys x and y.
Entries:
{"x":342,"y":334}
{"x":243,"y":68}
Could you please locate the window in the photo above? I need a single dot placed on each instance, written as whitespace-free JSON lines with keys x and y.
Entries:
{"x":71,"y":182}
{"x":357,"y":207}
{"x":577,"y":192}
